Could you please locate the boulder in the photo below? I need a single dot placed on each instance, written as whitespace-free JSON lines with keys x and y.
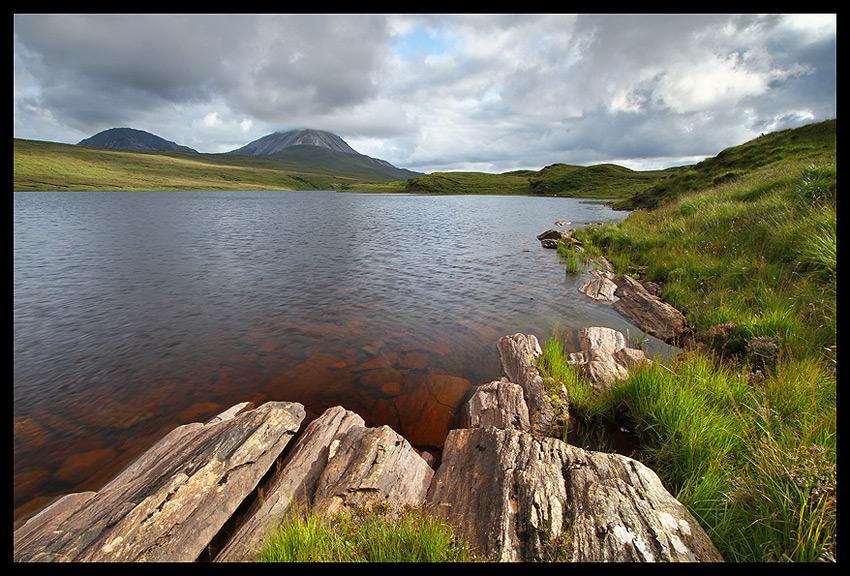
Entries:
{"x":499,"y":403}
{"x":293,"y":484}
{"x":337,"y":463}
{"x":170,"y":502}
{"x":518,"y":354}
{"x":599,"y":287}
{"x":605,"y":355}
{"x":550,"y":238}
{"x":648,"y":312}
{"x":515,"y":496}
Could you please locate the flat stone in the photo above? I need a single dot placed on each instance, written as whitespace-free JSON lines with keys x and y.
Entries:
{"x":169,"y":503}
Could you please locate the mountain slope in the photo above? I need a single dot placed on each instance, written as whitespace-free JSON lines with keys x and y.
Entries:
{"x":132,"y":139}
{"x":274,"y":143}
{"x":322,"y":149}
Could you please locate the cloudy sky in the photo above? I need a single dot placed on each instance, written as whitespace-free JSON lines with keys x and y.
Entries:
{"x":432,"y":92}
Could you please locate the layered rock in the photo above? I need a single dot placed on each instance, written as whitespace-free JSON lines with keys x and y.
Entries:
{"x":500,"y":404}
{"x":517,"y":355}
{"x":605,"y":356}
{"x":170,"y":503}
{"x":647,"y":311}
{"x":337,"y":464}
{"x":515,"y":496}
{"x":511,"y":491}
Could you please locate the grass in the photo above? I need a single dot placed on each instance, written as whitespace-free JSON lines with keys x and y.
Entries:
{"x":374,"y":534}
{"x":48,"y":166}
{"x":601,"y":181}
{"x":741,"y":429}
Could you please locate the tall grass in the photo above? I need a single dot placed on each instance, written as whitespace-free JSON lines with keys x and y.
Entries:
{"x":374,"y":534}
{"x":743,"y":429}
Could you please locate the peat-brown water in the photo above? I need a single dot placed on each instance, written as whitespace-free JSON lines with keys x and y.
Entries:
{"x":135,"y":312}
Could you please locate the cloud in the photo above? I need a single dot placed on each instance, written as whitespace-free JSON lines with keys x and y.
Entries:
{"x":432,"y":92}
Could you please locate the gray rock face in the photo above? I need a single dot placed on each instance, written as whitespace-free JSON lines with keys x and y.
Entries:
{"x":293,"y":485}
{"x":511,"y":492}
{"x":500,"y":404}
{"x":337,"y":464}
{"x":515,"y":496}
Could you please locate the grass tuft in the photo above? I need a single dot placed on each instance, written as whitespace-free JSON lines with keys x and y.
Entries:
{"x":374,"y":534}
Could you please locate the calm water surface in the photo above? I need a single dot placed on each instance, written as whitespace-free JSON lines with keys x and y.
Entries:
{"x":137,"y":312}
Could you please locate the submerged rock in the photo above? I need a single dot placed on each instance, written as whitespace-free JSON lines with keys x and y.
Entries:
{"x":509,"y":490}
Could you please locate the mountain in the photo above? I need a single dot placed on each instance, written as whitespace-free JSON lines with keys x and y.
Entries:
{"x":132,"y":139}
{"x":274,"y":143}
{"x":312,"y":146}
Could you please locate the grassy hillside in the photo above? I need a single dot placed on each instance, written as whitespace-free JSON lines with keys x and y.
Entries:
{"x":601,"y":181}
{"x":53,"y":166}
{"x":469,"y":183}
{"x":743,"y":427}
{"x":809,"y":143}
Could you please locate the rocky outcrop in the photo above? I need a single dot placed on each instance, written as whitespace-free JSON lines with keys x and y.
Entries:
{"x":517,"y":354}
{"x":514,"y":492}
{"x":515,"y":496}
{"x":337,"y":464}
{"x":550,"y":238}
{"x":605,"y":356}
{"x":500,"y":404}
{"x":649,"y":312}
{"x":170,"y":503}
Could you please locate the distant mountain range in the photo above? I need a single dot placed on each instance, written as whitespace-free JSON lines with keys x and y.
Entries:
{"x":297,"y":145}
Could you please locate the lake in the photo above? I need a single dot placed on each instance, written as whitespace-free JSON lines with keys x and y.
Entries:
{"x":136,"y":312}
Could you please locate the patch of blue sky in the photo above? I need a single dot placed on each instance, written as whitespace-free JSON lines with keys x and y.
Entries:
{"x":421,"y":42}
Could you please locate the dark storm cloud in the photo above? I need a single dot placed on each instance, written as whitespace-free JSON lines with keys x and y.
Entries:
{"x":489,"y":92}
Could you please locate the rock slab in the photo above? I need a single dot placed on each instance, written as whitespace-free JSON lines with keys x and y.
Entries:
{"x":516,"y":496}
{"x":169,"y":503}
{"x":647,"y":311}
{"x":337,"y":464}
{"x":605,"y":356}
{"x":517,"y":355}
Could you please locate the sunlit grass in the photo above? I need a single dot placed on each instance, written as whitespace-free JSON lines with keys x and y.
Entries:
{"x":742,"y":430}
{"x":374,"y":534}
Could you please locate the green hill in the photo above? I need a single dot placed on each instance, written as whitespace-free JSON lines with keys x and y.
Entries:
{"x":601,"y":181}
{"x":807,"y":143}
{"x":52,"y":166}
{"x":46,"y":166}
